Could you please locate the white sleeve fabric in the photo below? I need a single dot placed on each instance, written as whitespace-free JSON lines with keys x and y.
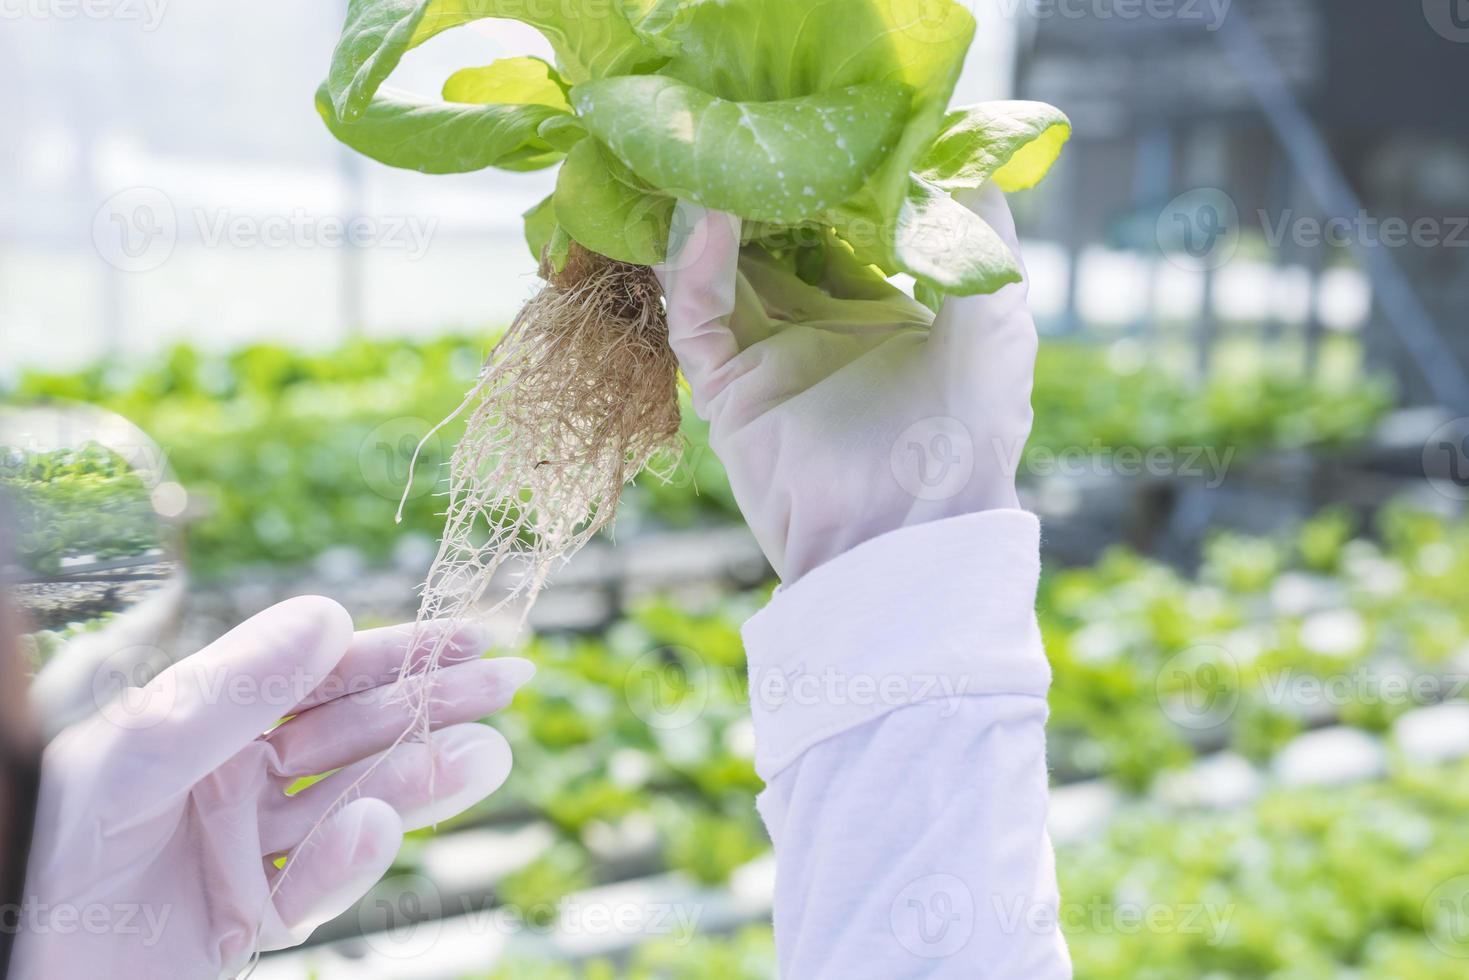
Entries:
{"x":899,"y":697}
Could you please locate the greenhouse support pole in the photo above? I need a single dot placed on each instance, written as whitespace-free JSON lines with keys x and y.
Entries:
{"x":1308,"y":150}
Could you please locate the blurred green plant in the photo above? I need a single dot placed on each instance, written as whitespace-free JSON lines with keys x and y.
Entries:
{"x":292,"y":453}
{"x":1305,"y":884}
{"x":1317,"y":883}
{"x":1139,"y":651}
{"x":709,"y":847}
{"x":287,"y":454}
{"x":749,"y":955}
{"x":536,"y":889}
{"x":76,"y":503}
{"x":647,"y":726}
{"x":1087,"y":399}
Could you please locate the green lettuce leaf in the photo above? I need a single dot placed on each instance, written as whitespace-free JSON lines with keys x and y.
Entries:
{"x":559,"y":249}
{"x":934,"y":238}
{"x":928,"y":296}
{"x":651,"y":19}
{"x":601,"y":206}
{"x":1013,"y":143}
{"x":780,"y":162}
{"x":562,"y":132}
{"x":444,"y":138}
{"x":822,"y":118}
{"x":591,"y":38}
{"x":768,"y":50}
{"x":509,"y":81}
{"x":540,"y":226}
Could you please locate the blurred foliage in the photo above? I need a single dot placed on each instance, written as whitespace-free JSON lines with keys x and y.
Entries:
{"x":76,"y":503}
{"x":537,"y":888}
{"x":270,"y":442}
{"x":710,"y":847}
{"x":636,"y":745}
{"x":1104,"y":399}
{"x":750,"y":955}
{"x":643,"y":734}
{"x":1363,"y":882}
{"x":288,"y":454}
{"x":1305,"y":884}
{"x":38,"y":647}
{"x":292,"y":453}
{"x":1151,"y":664}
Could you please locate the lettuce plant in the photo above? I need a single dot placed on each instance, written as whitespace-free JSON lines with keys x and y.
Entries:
{"x":821,"y":123}
{"x":826,"y":116}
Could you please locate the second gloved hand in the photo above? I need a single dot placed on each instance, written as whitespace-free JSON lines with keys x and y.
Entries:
{"x":162,"y":816}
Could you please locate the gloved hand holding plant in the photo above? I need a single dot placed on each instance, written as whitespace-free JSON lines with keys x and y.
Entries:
{"x":823,"y":125}
{"x":844,"y":409}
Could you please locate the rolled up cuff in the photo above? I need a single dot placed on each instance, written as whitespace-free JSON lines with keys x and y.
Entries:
{"x":933,"y":612}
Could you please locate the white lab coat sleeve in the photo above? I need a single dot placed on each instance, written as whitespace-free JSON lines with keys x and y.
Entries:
{"x":899,"y":697}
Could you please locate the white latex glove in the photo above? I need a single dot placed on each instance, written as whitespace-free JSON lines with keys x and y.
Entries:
{"x":844,"y":413}
{"x":160,"y":816}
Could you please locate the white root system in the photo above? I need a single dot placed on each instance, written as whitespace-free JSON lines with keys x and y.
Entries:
{"x":578,"y":398}
{"x":574,"y":402}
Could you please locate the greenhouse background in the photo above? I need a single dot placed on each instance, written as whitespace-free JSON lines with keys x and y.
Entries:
{"x":1251,"y":458}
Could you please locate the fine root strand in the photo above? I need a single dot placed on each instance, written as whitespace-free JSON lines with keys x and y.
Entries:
{"x":574,"y":401}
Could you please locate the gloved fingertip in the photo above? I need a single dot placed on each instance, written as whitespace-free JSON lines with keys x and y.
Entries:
{"x":703,"y":255}
{"x":375,"y":835}
{"x":469,"y":762}
{"x":348,"y":855}
{"x":700,"y":281}
{"x":514,"y":671}
{"x":479,"y":687}
{"x":474,"y":741}
{"x":688,"y":233}
{"x":316,"y":622}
